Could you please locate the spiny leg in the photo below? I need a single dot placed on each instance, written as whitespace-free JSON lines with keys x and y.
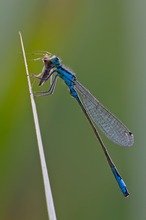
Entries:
{"x":41,"y":52}
{"x":50,"y":91}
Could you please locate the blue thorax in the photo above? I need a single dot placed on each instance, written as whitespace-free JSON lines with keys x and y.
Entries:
{"x":68,"y":78}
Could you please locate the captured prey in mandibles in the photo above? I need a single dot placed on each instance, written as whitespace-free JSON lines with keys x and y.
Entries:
{"x":95,"y":112}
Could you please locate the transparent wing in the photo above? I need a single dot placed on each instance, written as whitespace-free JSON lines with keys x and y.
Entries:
{"x":112,"y":127}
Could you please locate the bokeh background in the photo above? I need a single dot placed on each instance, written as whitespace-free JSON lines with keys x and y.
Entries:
{"x":103,"y":42}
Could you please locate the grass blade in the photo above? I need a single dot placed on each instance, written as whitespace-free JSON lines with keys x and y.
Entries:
{"x":48,"y":193}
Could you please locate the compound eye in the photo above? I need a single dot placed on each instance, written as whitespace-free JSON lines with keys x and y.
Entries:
{"x":56,"y":59}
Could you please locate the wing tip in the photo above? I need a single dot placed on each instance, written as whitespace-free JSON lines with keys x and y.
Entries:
{"x":130,"y":138}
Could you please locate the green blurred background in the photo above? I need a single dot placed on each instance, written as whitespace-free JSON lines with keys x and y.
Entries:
{"x":103,"y":42}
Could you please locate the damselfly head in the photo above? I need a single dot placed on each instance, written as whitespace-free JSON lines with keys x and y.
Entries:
{"x":51,"y":61}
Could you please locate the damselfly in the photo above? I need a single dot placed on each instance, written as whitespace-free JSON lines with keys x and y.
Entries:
{"x":94,"y":111}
